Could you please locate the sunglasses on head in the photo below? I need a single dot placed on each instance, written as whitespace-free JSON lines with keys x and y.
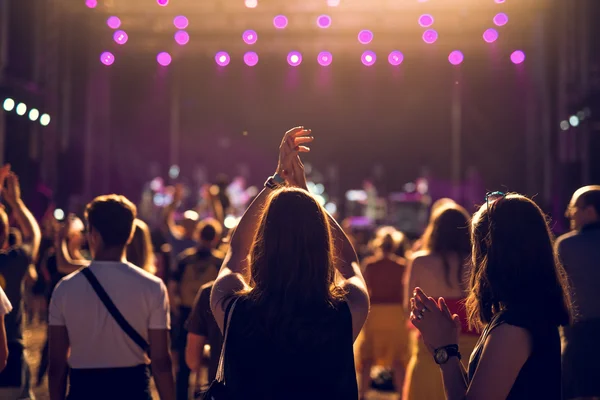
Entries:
{"x":492,"y":197}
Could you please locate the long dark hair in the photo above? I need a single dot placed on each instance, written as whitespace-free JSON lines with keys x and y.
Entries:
{"x":139,"y":250}
{"x":291,"y":259}
{"x":448,"y":234}
{"x":514,"y":264}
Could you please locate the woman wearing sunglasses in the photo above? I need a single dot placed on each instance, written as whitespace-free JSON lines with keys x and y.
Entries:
{"x":518,"y":295}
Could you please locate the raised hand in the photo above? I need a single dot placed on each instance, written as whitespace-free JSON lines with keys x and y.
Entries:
{"x":13,"y":189}
{"x":293,"y":141}
{"x":4,"y":171}
{"x":298,"y":176}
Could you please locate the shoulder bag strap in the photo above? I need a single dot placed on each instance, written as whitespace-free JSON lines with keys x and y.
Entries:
{"x":114,"y":311}
{"x":220,"y":377}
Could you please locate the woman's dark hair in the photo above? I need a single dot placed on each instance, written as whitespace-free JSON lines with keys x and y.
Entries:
{"x":448,"y":234}
{"x":140,"y":251}
{"x":291,"y":258}
{"x":515,"y":266}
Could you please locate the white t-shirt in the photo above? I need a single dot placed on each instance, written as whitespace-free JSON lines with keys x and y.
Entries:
{"x":96,"y":339}
{"x":5,"y":306}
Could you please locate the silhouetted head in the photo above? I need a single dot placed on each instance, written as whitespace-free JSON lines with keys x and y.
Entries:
{"x":110,"y":220}
{"x":209,"y":232}
{"x":140,"y":251}
{"x":388,"y":240}
{"x":190,"y":224}
{"x":514,"y":264}
{"x":584,"y":208}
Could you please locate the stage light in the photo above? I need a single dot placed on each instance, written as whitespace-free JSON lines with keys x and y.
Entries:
{"x":280,"y":21}
{"x":21,"y":109}
{"x":164,"y":58}
{"x":251,"y":3}
{"x":499,"y":1}
{"x":324,"y":21}
{"x":430,"y":36}
{"x":34,"y":114}
{"x":333,"y":3}
{"x":501,"y":19}
{"x":182,"y":37}
{"x":91,"y":3}
{"x":396,"y":57}
{"x":120,"y":37}
{"x":564,"y":125}
{"x":251,"y":59}
{"x":426,"y":20}
{"x":9,"y":104}
{"x":107,"y":58}
{"x":456,"y":57}
{"x":59,"y":214}
{"x":368,"y":58}
{"x":574,"y":121}
{"x":45,"y":120}
{"x":163,"y":3}
{"x":325,"y":58}
{"x":294,"y":58}
{"x":222,"y":58}
{"x":181,"y":22}
{"x":250,"y":36}
{"x":113,"y":22}
{"x":517,"y":57}
{"x":174,"y":171}
{"x":490,"y":35}
{"x":365,"y":36}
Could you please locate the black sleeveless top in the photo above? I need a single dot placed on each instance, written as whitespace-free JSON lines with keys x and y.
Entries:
{"x":311,"y":358}
{"x":540,"y":376}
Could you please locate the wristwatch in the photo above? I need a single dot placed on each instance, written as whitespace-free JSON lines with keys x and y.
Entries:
{"x":441,"y":355}
{"x":274,"y":182}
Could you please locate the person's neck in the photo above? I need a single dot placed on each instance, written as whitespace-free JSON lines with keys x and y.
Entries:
{"x":110,"y":254}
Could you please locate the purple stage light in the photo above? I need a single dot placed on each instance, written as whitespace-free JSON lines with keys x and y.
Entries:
{"x":456,"y":57}
{"x":430,"y":36}
{"x":181,"y":22}
{"x":499,"y":1}
{"x":91,"y":3}
{"x":251,"y":59}
{"x":294,"y":58}
{"x":164,"y":58}
{"x":107,"y":58}
{"x":222,"y":58}
{"x":396,"y":57}
{"x":426,"y":20}
{"x":325,"y":58}
{"x":365,"y":36}
{"x":500,"y":19}
{"x":490,"y":35}
{"x":517,"y":57}
{"x":120,"y":37}
{"x":368,"y":58}
{"x":280,"y":21}
{"x":251,"y":3}
{"x":250,"y":37}
{"x":113,"y":22}
{"x":163,"y":3}
{"x":324,"y":21}
{"x":182,"y":37}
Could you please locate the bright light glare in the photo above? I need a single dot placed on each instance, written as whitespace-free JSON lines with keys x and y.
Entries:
{"x":9,"y":104}
{"x":59,"y":214}
{"x":430,"y":36}
{"x":490,"y":35}
{"x":501,"y":19}
{"x":174,"y":171}
{"x":113,"y":22}
{"x":45,"y":120}
{"x":517,"y":57}
{"x":21,"y":109}
{"x":251,"y":59}
{"x":574,"y":121}
{"x":163,"y":3}
{"x":324,"y":21}
{"x":250,"y":36}
{"x":324,"y":58}
{"x":181,"y":22}
{"x":294,"y":58}
{"x":107,"y":58}
{"x":426,"y":20}
{"x":120,"y":37}
{"x":333,"y":3}
{"x":182,"y":37}
{"x":34,"y":114}
{"x":368,"y":58}
{"x":230,"y":221}
{"x":280,"y":21}
{"x":164,"y":58}
{"x":222,"y":58}
{"x":395,"y":58}
{"x":91,"y":3}
{"x":251,"y":3}
{"x":456,"y":57}
{"x":365,"y":36}
{"x":564,"y":125}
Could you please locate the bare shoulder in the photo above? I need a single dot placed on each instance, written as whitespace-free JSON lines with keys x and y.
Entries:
{"x":423,"y":259}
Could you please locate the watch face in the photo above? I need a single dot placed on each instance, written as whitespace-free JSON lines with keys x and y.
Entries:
{"x":441,"y":356}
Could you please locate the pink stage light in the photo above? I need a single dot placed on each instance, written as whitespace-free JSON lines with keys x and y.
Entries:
{"x":324,"y":21}
{"x":325,"y":58}
{"x":500,"y":19}
{"x":182,"y":37}
{"x":430,"y":36}
{"x":251,"y":59}
{"x":499,"y":1}
{"x":517,"y":57}
{"x":91,"y":3}
{"x":120,"y":37}
{"x":368,"y":58}
{"x":490,"y":35}
{"x":426,"y":20}
{"x":181,"y":22}
{"x":251,"y":3}
{"x":164,"y":58}
{"x":395,"y":58}
{"x":163,"y":3}
{"x":365,"y":36}
{"x":107,"y":58}
{"x":456,"y":57}
{"x":280,"y":21}
{"x":294,"y":58}
{"x":250,"y":37}
{"x":222,"y":58}
{"x":113,"y":22}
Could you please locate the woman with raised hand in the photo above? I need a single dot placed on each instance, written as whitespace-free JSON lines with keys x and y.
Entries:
{"x":518,"y":294}
{"x":299,"y":297}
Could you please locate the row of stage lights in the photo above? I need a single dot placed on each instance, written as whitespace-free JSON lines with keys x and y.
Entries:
{"x":575,"y":120}
{"x":21,"y":109}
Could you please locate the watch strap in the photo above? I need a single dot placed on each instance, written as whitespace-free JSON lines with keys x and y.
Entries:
{"x":278,"y":179}
{"x":270,"y":183}
{"x":451,"y":351}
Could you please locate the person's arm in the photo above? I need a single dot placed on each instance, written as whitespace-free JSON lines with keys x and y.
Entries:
{"x":58,"y":341}
{"x":168,"y":226}
{"x":194,"y":350}
{"x":64,"y":263}
{"x":196,"y":326}
{"x":27,"y":223}
{"x":158,"y":334}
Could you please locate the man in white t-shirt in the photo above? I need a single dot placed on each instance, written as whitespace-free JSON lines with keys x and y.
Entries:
{"x":105,"y":362}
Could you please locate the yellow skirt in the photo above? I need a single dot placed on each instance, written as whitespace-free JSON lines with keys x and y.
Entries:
{"x":423,"y":379}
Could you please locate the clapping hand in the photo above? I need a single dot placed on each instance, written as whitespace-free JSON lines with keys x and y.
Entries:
{"x":12,"y":192}
{"x":289,"y":166}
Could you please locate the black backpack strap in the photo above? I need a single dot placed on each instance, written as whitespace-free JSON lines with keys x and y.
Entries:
{"x":114,"y":311}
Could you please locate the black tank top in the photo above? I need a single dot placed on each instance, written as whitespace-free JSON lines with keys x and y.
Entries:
{"x":312,"y":358}
{"x":540,"y":376}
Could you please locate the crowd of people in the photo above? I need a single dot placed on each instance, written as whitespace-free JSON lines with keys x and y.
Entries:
{"x":283,"y":306}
